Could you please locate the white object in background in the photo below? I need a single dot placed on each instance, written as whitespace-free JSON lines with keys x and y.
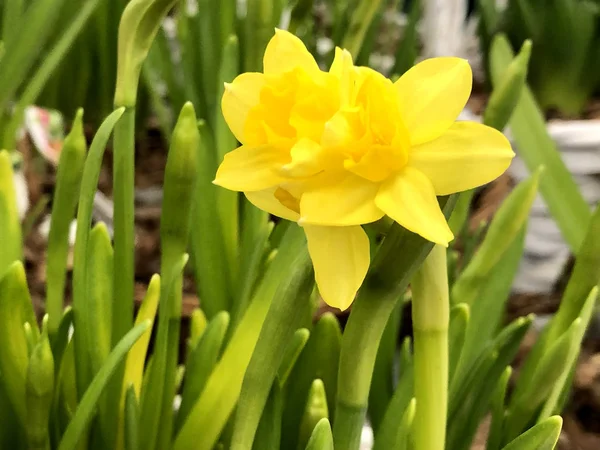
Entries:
{"x":546,"y":252}
{"x":21,"y":192}
{"x":443,"y":24}
{"x":366,"y":438}
{"x":44,"y":229}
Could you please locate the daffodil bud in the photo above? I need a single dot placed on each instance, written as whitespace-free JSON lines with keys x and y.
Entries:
{"x":315,"y":410}
{"x":180,"y":180}
{"x":68,"y":180}
{"x":39,"y":388}
{"x":138,"y":27}
{"x":507,"y":91}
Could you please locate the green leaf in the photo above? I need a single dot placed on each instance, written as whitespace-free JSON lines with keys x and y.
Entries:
{"x":504,"y":229}
{"x":319,"y":359}
{"x":585,"y":275}
{"x":212,"y":410}
{"x":132,"y":418}
{"x":34,"y":28}
{"x":47,"y":68}
{"x":91,"y":173}
{"x":459,"y":322}
{"x":198,"y":324}
{"x":153,"y":389}
{"x":471,"y":391}
{"x":15,"y":310}
{"x":403,"y":436}
{"x":555,"y":361}
{"x":292,"y":352}
{"x":175,"y":226}
{"x":68,"y":181}
{"x":268,"y":433}
{"x":286,"y":313}
{"x":84,"y":413}
{"x":10,"y":227}
{"x":227,"y":201}
{"x":488,"y":311}
{"x":387,"y":436}
{"x":98,"y":310}
{"x":208,"y":250}
{"x":497,"y":406}
{"x":321,"y":437}
{"x":507,"y":92}
{"x":552,"y":405}
{"x":200,"y":364}
{"x":543,"y":436}
{"x":535,"y":146}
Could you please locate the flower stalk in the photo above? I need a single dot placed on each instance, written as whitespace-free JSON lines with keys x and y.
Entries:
{"x":430,"y":316}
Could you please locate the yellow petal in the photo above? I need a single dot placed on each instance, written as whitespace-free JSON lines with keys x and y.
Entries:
{"x":251,"y":169}
{"x":266,"y":201}
{"x":340,"y":256}
{"x":466,"y":156}
{"x":343,"y":68}
{"x":239,"y":97}
{"x":306,"y":159}
{"x":431,"y":96}
{"x":410,"y":200}
{"x":286,"y":52}
{"x":342,"y":200}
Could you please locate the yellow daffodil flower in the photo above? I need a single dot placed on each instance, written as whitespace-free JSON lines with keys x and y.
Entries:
{"x":335,"y":150}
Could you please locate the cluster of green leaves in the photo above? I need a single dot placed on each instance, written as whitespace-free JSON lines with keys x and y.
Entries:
{"x":565,"y":68}
{"x":256,"y":372}
{"x":29,"y":29}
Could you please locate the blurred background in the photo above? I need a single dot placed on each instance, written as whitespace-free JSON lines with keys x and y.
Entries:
{"x":59,"y":55}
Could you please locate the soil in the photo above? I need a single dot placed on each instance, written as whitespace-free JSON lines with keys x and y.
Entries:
{"x":582,"y":418}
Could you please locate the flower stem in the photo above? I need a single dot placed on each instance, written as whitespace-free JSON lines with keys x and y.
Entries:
{"x":430,"y":315}
{"x":391,"y":271}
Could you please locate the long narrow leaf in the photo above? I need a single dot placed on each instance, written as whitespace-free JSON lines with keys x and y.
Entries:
{"x":87,"y":406}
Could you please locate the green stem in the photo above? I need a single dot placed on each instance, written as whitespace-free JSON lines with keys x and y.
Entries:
{"x":391,"y":271}
{"x":123,"y":272}
{"x":360,"y":342}
{"x":430,"y":313}
{"x":123,"y":192}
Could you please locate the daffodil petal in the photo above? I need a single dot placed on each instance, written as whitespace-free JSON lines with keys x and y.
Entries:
{"x":343,"y":68}
{"x":409,"y":199}
{"x":266,"y":201}
{"x":340,"y":256}
{"x":286,"y":52}
{"x":306,"y":156}
{"x":466,"y":156}
{"x":431,"y":96}
{"x":239,"y":97}
{"x":343,"y":200}
{"x":250,"y":169}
